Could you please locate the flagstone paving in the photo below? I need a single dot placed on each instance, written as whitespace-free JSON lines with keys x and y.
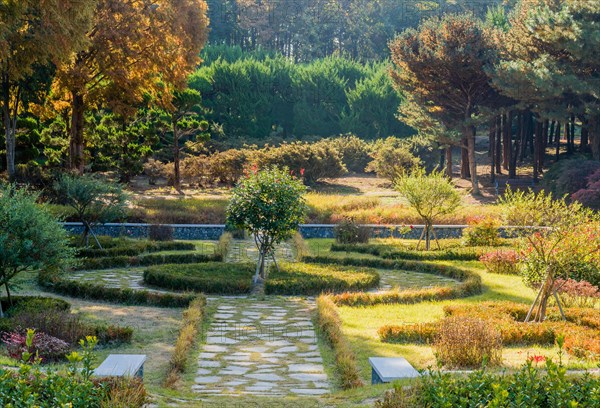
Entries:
{"x":258,"y":347}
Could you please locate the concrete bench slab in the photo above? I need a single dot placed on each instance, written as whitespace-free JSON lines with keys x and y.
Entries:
{"x":122,"y":365}
{"x":386,"y":369}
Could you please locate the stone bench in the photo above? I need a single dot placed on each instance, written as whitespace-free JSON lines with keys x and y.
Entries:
{"x":386,"y":369}
{"x":122,"y":365}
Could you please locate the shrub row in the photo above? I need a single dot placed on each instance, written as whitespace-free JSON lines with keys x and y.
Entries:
{"x":306,"y":279}
{"x":192,"y":319}
{"x":53,"y":317}
{"x":54,"y":282}
{"x":466,"y":254}
{"x":543,"y":387}
{"x":133,"y":248}
{"x":581,"y":330}
{"x":330,"y":327}
{"x":211,"y":277}
{"x":470,"y":282}
{"x":145,"y":260}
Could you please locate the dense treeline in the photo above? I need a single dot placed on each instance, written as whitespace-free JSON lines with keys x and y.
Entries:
{"x":528,"y":78}
{"x":303,"y":30}
{"x":257,"y":97}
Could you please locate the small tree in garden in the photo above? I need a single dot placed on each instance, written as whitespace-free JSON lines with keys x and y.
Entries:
{"x":431,"y":195}
{"x":565,"y":244}
{"x":30,"y":237}
{"x":94,"y":201}
{"x":270,"y":204}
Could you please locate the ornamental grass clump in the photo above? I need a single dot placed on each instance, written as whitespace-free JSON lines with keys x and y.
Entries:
{"x":466,"y":342}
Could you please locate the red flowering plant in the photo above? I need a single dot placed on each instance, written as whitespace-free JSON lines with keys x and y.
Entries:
{"x":577,"y":293}
{"x":559,"y":240}
{"x":30,"y":345}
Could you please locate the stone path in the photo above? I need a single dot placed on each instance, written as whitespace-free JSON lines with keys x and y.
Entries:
{"x":261,"y":348}
{"x":130,"y":278}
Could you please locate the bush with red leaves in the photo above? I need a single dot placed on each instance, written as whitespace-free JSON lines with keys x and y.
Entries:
{"x":45,"y":347}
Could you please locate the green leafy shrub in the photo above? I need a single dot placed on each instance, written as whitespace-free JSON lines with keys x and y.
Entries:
{"x":503,"y":262}
{"x":211,"y":277}
{"x":162,"y":233}
{"x":349,"y":232}
{"x":72,"y":386}
{"x":56,"y":283}
{"x":482,"y":231}
{"x":306,"y":279}
{"x":313,"y":161}
{"x":330,"y":327}
{"x":192,"y":320}
{"x":391,"y":159}
{"x":531,"y":386}
{"x":467,"y":342}
{"x":355,"y":152}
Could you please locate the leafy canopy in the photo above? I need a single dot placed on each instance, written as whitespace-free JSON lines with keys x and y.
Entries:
{"x":268,"y":203}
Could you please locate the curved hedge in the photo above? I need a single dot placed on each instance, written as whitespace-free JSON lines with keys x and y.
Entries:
{"x":54,"y":282}
{"x":458,"y":254}
{"x":470,"y":282}
{"x":210,"y":277}
{"x":134,"y":248}
{"x":295,"y":278}
{"x":145,"y":260}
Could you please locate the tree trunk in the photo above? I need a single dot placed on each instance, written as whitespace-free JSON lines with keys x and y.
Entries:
{"x":449,"y":162}
{"x":176,"y":151}
{"x":427,"y":236}
{"x":507,"y":142}
{"x":10,"y":127}
{"x":492,"y":150}
{"x":76,"y":143}
{"x":470,"y":136}
{"x":557,"y":139}
{"x":594,"y":136}
{"x":498,"y":149}
{"x":465,"y":172}
{"x":584,"y":135}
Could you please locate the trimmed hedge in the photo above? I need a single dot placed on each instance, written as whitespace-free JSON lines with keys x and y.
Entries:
{"x":330,"y":327}
{"x":210,"y":277}
{"x":145,"y":260}
{"x":306,"y":279}
{"x":133,"y":248}
{"x":581,"y":330}
{"x":192,"y":320}
{"x":470,"y":282}
{"x":54,"y":282}
{"x":384,"y":251}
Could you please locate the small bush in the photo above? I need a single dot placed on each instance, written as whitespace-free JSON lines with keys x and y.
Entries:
{"x":348,"y":232}
{"x":466,"y":342}
{"x":144,"y":260}
{"x":306,"y":279}
{"x":300,"y":246}
{"x":154,"y":169}
{"x":577,"y":293}
{"x":502,"y":262}
{"x":482,"y":231}
{"x":569,"y":176}
{"x":222,"y":247}
{"x":44,"y":346}
{"x":355,"y":152}
{"x":330,"y":327}
{"x":158,"y":232}
{"x":211,"y":277}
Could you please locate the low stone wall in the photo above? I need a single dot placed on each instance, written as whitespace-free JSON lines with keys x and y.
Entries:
{"x":213,"y":232}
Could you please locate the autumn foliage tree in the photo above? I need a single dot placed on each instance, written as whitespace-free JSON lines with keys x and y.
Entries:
{"x":136,"y":48}
{"x":442,"y":66}
{"x":34,"y":33}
